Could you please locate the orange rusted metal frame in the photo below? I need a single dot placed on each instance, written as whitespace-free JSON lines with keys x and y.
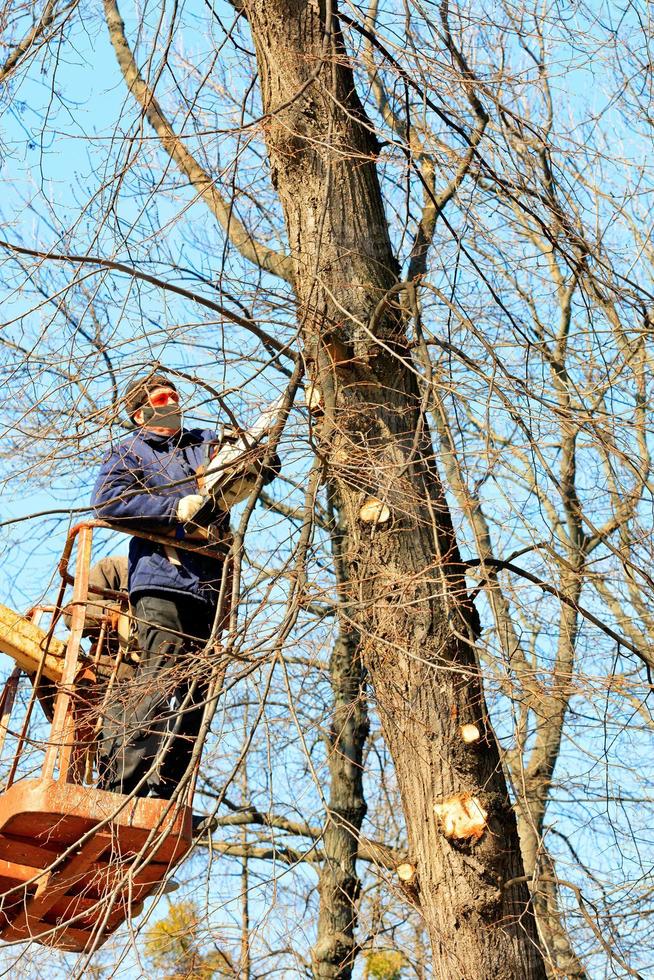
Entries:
{"x":50,"y":881}
{"x":62,"y":746}
{"x":63,"y":727}
{"x":63,"y":738}
{"x":189,"y":543}
{"x":7,"y":699}
{"x":54,"y":884}
{"x":76,"y":861}
{"x":35,"y":683}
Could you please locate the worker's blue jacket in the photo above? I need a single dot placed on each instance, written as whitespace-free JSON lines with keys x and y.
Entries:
{"x":140,"y":484}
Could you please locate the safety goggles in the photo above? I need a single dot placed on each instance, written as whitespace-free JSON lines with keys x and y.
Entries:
{"x":166,"y":397}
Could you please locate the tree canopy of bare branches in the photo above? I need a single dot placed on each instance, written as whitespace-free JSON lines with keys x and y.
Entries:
{"x":429,"y":224}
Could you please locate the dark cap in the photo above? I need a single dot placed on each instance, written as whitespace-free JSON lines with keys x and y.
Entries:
{"x":135,"y":394}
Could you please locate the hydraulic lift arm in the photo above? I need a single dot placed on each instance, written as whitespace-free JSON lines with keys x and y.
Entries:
{"x":24,"y":642}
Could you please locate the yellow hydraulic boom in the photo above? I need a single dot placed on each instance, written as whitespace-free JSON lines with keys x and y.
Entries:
{"x":24,"y":642}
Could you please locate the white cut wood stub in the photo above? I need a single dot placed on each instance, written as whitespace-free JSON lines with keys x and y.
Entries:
{"x":461,"y":817}
{"x":374,"y":511}
{"x":470,"y":734}
{"x":312,"y":397}
{"x":405,"y":872}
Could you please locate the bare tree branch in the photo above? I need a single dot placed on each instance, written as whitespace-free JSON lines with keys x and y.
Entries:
{"x":204,"y":185}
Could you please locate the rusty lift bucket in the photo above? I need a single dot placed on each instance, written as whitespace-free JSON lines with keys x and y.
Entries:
{"x":75,"y":861}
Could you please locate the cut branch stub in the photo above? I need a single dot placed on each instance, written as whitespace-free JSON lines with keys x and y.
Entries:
{"x":470,"y":734}
{"x":313,"y":398}
{"x":405,"y":872}
{"x":461,"y":817}
{"x":409,"y":882}
{"x":374,"y":511}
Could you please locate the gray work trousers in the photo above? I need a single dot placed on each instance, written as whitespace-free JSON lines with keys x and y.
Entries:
{"x":152,"y":723}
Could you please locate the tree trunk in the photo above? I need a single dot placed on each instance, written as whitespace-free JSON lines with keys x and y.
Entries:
{"x":335,"y":950}
{"x":534,"y":790}
{"x":407,"y":587}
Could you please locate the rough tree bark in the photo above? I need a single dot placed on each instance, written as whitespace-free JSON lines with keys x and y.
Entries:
{"x":335,"y":950}
{"x":407,"y":586}
{"x":542,"y":711}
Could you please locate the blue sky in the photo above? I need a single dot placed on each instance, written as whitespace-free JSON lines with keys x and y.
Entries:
{"x":59,"y":152}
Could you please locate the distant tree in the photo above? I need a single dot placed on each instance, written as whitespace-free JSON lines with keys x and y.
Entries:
{"x":384,"y":965}
{"x":176,"y":947}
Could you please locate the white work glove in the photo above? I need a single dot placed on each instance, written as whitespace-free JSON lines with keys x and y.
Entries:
{"x":188,"y":507}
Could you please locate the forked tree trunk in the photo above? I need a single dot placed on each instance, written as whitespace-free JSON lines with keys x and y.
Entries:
{"x":407,"y":589}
